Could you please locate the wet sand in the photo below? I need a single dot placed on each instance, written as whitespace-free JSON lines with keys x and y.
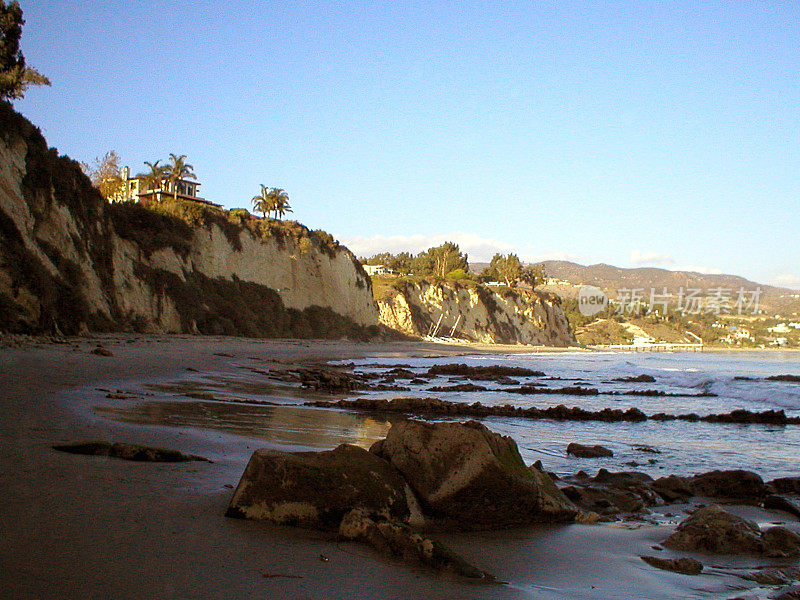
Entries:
{"x":94,"y":527}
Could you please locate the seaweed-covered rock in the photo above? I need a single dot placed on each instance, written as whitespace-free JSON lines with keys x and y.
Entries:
{"x":713,"y":530}
{"x":470,"y":477}
{"x":316,"y":489}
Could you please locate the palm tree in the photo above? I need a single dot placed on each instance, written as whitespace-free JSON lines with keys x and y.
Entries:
{"x":178,"y":170}
{"x":263,"y":203}
{"x":280,"y":202}
{"x":154,"y":180}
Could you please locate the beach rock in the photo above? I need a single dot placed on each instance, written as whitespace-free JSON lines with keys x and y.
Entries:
{"x":781,"y":542}
{"x":610,"y":493}
{"x":582,"y":451}
{"x":316,"y":489}
{"x":739,"y":485}
{"x":648,"y":449}
{"x":401,"y":541}
{"x":459,"y":387}
{"x":785,"y":485}
{"x":471,"y":478}
{"x":636,"y":379}
{"x":713,"y":530}
{"x":775,"y":502}
{"x":134,"y":452}
{"x":101,"y":351}
{"x":687,"y":566}
{"x":329,"y":380}
{"x":485,"y":373}
{"x":673,"y":488}
{"x":773,"y":575}
{"x":790,"y":378}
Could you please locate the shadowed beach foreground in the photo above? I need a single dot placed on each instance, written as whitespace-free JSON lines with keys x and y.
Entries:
{"x":97,"y":527}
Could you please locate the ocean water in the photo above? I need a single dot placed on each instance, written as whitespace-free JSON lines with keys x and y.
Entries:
{"x":246,"y":404}
{"x":684,"y":447}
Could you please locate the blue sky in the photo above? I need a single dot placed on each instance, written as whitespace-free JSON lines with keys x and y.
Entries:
{"x":663,"y":134}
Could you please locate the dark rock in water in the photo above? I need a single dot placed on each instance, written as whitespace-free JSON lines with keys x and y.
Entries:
{"x":647,"y":449}
{"x":486,"y":373}
{"x":401,"y":541}
{"x":673,"y":488}
{"x":781,"y":542}
{"x":134,"y":452}
{"x":713,"y":530}
{"x":401,"y":373}
{"x":582,"y":451}
{"x":687,"y":566}
{"x":775,"y":502}
{"x":506,"y":381}
{"x":459,"y":387}
{"x":470,"y":477}
{"x":743,"y":486}
{"x":790,"y":378}
{"x":610,"y":494}
{"x":637,"y":379}
{"x":329,"y":380}
{"x":743,"y":378}
{"x":785,"y":485}
{"x":101,"y":351}
{"x":316,"y":489}
{"x":419,"y":381}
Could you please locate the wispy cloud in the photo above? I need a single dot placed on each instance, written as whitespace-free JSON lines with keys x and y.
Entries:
{"x":479,"y":249}
{"x":639,"y":258}
{"x":789,"y":280}
{"x":667,"y":261}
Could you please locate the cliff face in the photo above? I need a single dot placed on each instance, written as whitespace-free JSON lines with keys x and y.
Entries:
{"x":494,"y":316}
{"x":69,"y":261}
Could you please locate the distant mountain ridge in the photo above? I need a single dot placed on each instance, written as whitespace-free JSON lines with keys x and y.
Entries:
{"x":611,"y":278}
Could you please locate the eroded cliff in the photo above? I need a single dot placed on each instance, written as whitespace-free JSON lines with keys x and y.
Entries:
{"x":69,"y":261}
{"x":493,"y":315}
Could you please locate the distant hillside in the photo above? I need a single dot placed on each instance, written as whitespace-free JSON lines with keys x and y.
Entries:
{"x":610,"y":279}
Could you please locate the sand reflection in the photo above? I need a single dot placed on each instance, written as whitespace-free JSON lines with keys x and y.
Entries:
{"x":292,"y":426}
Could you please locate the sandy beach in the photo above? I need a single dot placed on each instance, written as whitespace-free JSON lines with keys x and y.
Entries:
{"x":95,"y":527}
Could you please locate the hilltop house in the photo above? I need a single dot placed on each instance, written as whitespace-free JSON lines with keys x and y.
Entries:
{"x":376,"y":270}
{"x":134,"y":190}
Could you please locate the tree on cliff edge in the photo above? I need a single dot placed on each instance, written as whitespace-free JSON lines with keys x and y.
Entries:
{"x":15,"y":77}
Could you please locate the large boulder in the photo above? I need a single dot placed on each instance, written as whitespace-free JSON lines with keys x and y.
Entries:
{"x":736,"y":484}
{"x":781,"y":542}
{"x":713,"y":530}
{"x":472,"y":478}
{"x":316,"y":489}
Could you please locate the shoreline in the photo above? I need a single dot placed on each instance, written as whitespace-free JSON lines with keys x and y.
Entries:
{"x":82,"y":526}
